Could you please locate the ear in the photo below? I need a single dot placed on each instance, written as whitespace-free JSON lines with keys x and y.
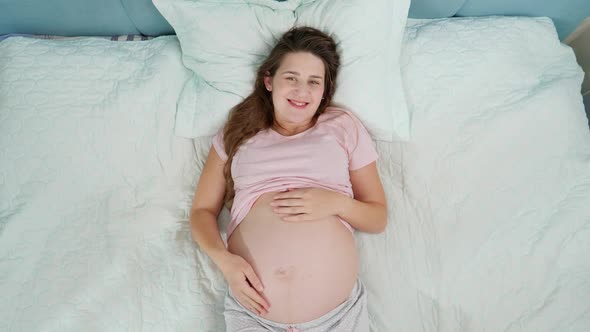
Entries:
{"x":268,"y":82}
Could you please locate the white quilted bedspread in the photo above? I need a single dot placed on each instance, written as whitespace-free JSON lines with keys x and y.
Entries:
{"x":489,"y":201}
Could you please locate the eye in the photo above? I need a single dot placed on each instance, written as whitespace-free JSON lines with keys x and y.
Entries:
{"x":315,"y":82}
{"x":290,"y":78}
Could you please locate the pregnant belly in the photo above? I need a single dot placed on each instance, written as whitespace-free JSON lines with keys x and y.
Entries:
{"x":307,"y":268}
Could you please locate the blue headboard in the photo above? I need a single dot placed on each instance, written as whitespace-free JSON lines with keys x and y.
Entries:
{"x":566,"y":14}
{"x":120,"y":17}
{"x":82,"y":17}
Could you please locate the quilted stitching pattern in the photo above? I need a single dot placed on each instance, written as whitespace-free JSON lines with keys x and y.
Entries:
{"x":93,"y":188}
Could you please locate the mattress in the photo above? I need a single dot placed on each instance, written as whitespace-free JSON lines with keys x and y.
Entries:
{"x":489,"y":202}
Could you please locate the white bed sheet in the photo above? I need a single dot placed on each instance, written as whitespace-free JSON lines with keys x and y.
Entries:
{"x":489,"y":205}
{"x":490,"y":228}
{"x":93,"y":186}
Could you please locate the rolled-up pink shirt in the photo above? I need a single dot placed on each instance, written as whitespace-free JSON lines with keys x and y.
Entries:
{"x":322,"y":156}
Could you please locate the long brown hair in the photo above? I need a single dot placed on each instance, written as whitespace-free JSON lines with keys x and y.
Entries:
{"x":256,"y":112}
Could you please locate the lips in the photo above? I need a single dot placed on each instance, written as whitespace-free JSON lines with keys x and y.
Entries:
{"x":297,"y":104}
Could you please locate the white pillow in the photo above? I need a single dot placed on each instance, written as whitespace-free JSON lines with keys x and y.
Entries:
{"x":224,"y":42}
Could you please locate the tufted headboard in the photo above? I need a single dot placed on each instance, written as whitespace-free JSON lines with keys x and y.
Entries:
{"x":119,"y":17}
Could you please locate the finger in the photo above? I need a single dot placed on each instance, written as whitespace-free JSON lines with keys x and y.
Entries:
{"x":287,"y":202}
{"x":253,"y":294}
{"x":253,"y":278}
{"x":256,"y":307}
{"x":290,"y":210}
{"x":247,"y":303}
{"x":243,"y":300}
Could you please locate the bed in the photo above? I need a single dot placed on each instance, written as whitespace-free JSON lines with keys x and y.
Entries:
{"x":489,"y":199}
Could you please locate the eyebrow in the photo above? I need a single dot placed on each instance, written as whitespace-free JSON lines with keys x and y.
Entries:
{"x":296,"y":73}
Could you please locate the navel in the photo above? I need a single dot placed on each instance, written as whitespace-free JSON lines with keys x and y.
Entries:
{"x":285,"y":272}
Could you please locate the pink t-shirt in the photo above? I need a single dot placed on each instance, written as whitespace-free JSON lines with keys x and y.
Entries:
{"x":321,"y":157}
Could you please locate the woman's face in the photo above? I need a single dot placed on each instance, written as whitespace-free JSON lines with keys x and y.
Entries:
{"x":297,"y":89}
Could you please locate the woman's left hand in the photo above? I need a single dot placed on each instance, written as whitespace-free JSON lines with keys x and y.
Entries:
{"x":307,"y":204}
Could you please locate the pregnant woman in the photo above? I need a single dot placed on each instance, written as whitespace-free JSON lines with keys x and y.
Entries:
{"x":300,"y":176}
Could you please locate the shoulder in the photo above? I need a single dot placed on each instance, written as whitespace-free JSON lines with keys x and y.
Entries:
{"x":341,"y":118}
{"x":218,"y":145}
{"x":337,"y":115}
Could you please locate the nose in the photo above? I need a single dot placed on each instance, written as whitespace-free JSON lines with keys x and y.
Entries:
{"x":302,"y":90}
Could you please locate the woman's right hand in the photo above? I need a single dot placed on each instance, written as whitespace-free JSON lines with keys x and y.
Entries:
{"x":244,"y":283}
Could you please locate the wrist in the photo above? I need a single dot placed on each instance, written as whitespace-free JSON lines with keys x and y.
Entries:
{"x":343,"y":205}
{"x":219,"y":257}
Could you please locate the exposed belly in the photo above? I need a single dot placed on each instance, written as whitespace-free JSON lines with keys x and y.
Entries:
{"x":307,"y":268}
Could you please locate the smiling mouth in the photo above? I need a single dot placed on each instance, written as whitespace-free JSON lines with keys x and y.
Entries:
{"x":297,"y":104}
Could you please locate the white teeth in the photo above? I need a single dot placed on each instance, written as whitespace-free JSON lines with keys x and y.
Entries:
{"x":298,"y":104}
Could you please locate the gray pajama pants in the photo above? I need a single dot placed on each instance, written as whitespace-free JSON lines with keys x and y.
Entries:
{"x":350,"y":316}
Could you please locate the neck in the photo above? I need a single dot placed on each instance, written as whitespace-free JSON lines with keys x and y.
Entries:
{"x":291,"y":130}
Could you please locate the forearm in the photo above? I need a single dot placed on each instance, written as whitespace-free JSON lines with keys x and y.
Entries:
{"x":369,"y":217}
{"x":205,"y":232}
